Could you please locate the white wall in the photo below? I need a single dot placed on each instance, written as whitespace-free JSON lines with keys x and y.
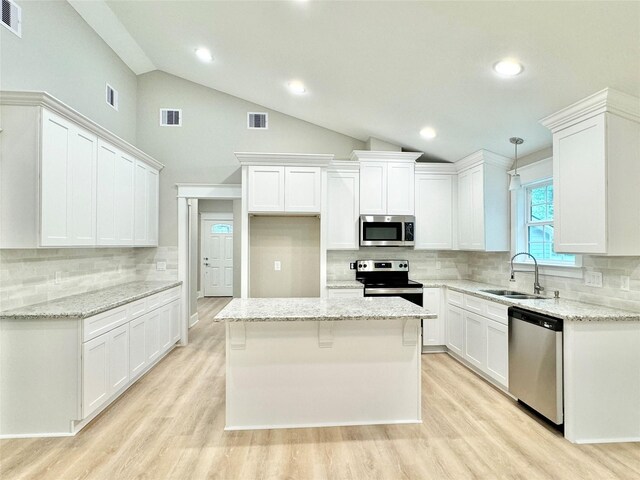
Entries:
{"x":214,"y":127}
{"x":62,"y":55}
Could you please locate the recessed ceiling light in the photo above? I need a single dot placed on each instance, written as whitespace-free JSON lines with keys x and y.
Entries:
{"x":296,"y":87}
{"x":428,"y":133}
{"x":204,"y":54}
{"x":508,"y":67}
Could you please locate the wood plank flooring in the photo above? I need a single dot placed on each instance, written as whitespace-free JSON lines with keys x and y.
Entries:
{"x":170,"y":426}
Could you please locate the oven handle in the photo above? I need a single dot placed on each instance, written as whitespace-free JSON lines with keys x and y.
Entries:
{"x":382,"y":291}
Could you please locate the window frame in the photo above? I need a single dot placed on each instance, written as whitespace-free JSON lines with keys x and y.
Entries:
{"x":538,"y":173}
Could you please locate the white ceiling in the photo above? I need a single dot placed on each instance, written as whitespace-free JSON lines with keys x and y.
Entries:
{"x":387,"y":69}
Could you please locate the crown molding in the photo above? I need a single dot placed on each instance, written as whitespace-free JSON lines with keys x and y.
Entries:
{"x":483,"y":157}
{"x":359,"y":155}
{"x":606,"y":100}
{"x":220,"y":191}
{"x":45,"y":100}
{"x":288,"y":159}
{"x":437,"y":168}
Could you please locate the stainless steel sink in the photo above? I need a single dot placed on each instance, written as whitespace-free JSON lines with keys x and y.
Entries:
{"x":513,"y":294}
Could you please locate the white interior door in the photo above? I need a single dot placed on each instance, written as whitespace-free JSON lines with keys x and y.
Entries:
{"x":217,"y":258}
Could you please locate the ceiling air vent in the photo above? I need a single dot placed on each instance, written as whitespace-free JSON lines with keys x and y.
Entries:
{"x":170,"y":117}
{"x":257,"y":120}
{"x":12,"y":17}
{"x":112,"y":96}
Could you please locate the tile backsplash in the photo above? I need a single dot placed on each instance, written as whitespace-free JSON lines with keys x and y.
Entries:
{"x":37,"y":275}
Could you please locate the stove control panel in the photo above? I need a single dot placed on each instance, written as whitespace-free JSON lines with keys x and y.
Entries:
{"x":382,"y":265}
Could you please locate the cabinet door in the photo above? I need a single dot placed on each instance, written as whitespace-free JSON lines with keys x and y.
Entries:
{"x":455,"y":329}
{"x":432,"y":328}
{"x":343,"y":210}
{"x":95,"y":374}
{"x":579,"y":184}
{"x":302,"y":187}
{"x":175,"y":321}
{"x":465,"y":211}
{"x":475,"y":348}
{"x":498,"y":352}
{"x":152,"y":341}
{"x":152,"y":206}
{"x":434,"y":211}
{"x":137,"y":345}
{"x":266,"y":189}
{"x":68,"y":183}
{"x":400,"y":188}
{"x":164,"y":328}
{"x":141,"y":204}
{"x":373,"y":188}
{"x":106,"y":194}
{"x":477,"y":208}
{"x":124,"y":203}
{"x":118,"y":358}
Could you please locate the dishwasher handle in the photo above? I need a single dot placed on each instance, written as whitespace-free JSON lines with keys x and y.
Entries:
{"x":544,"y":321}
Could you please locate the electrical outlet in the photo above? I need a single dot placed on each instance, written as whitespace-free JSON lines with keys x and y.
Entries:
{"x":352,"y":265}
{"x":57,"y":278}
{"x":161,"y":266}
{"x":277,"y":265}
{"x":593,"y":279}
{"x":624,"y":283}
{"x":438,"y":265}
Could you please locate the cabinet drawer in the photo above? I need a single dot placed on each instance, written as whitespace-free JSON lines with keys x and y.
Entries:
{"x":153,"y":301}
{"x":474,"y":304}
{"x":137,"y":308}
{"x":497,"y":312}
{"x":103,"y":322}
{"x":455,"y":298}
{"x":169,"y":295}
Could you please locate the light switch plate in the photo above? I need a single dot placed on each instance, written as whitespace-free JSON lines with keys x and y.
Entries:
{"x":624,"y":283}
{"x":593,"y":279}
{"x":161,"y":266}
{"x":57,"y":278}
{"x":277,"y":265}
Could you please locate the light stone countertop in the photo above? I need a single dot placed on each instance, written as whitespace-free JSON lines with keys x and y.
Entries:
{"x":344,"y":284}
{"x":88,"y":304}
{"x":325,"y":309}
{"x":569,"y":310}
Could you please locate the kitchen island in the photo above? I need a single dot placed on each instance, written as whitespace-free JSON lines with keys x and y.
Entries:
{"x":317,"y":362}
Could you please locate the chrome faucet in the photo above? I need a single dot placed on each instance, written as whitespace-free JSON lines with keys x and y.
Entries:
{"x":537,"y":288}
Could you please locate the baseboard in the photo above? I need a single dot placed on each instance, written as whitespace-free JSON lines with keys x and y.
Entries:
{"x":321,"y":424}
{"x":434,"y":349}
{"x":200,"y":294}
{"x":193,"y":320}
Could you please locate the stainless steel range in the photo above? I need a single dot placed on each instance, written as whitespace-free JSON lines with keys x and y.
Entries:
{"x":388,"y":278}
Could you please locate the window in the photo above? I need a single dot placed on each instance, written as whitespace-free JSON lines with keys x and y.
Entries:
{"x":221,"y":228}
{"x":539,"y":225}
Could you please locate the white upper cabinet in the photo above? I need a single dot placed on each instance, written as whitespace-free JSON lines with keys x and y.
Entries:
{"x":74,"y":180}
{"x":68,"y":182}
{"x":596,"y":170}
{"x":283,"y":182}
{"x":115,"y":195}
{"x":386,"y":182}
{"x":435,"y":198}
{"x":145,"y":205}
{"x":483,"y":202}
{"x":343,"y":206}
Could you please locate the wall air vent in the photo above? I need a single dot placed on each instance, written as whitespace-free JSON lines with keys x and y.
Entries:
{"x":170,"y":117}
{"x":112,"y":97}
{"x":257,"y":120}
{"x":12,"y":17}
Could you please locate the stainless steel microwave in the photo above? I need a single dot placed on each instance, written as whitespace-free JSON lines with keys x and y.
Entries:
{"x":386,"y":230}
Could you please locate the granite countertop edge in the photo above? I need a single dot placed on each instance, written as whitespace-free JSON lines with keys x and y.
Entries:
{"x":330,"y":318}
{"x":353,"y":284}
{"x":38,"y":311}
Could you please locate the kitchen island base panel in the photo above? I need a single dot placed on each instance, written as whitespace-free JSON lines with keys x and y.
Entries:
{"x":318,"y":374}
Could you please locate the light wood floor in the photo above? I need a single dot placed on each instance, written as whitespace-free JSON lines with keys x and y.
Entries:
{"x":170,"y":425}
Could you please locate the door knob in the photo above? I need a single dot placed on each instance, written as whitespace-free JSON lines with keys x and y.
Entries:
{"x":206,"y":265}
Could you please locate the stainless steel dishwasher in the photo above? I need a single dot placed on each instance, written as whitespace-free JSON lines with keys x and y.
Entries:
{"x":535,"y":362}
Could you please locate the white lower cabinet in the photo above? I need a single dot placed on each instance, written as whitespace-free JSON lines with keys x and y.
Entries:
{"x":118,"y":358}
{"x":175,"y":322}
{"x":432,"y":328}
{"x":137,"y":342}
{"x":164,"y":328}
{"x":95,"y":374}
{"x":152,"y":342}
{"x":455,"y":329}
{"x":478,"y":332}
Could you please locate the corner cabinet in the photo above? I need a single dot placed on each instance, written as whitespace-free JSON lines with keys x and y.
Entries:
{"x":343,"y":206}
{"x":483,"y":202}
{"x":386,"y":182}
{"x":76,"y":183}
{"x":435,"y":206}
{"x":596,"y":170}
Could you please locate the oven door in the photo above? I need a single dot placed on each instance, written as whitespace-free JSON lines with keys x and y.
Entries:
{"x":414,"y":295}
{"x":381,"y":231}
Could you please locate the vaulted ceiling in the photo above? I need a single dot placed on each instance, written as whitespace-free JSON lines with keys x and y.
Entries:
{"x":388,"y":68}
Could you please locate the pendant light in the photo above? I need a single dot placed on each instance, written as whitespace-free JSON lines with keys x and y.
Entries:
{"x":515,"y":182}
